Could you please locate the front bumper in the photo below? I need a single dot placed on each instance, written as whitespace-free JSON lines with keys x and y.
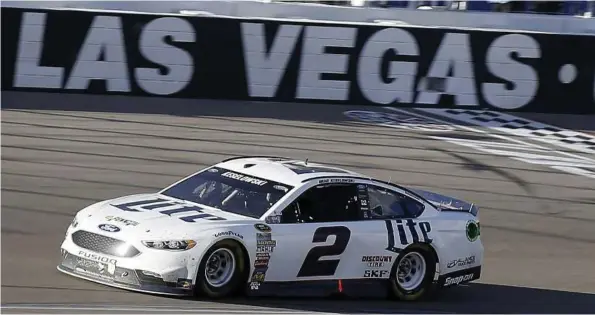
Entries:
{"x":124,"y":278}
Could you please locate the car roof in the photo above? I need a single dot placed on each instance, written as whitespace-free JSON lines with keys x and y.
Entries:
{"x":295,"y":172}
{"x":284,"y":170}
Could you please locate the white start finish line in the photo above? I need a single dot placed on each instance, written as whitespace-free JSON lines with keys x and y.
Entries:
{"x":517,"y":150}
{"x":569,"y":139}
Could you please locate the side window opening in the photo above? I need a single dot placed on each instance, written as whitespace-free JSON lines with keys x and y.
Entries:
{"x":385,"y":203}
{"x":324,"y":203}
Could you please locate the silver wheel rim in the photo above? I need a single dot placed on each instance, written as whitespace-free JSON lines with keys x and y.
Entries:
{"x":220,"y":267}
{"x":411,"y":271}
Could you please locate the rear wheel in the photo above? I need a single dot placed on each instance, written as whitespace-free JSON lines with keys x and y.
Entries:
{"x":412,"y":274}
{"x":221,"y":270}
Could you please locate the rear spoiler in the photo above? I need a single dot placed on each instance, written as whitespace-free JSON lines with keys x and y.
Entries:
{"x":446,"y":203}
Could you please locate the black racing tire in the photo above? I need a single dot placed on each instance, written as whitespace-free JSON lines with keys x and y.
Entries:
{"x":235,"y":283}
{"x":426,"y":288}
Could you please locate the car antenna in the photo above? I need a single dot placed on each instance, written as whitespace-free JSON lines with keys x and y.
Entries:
{"x":390,"y":179}
{"x":306,"y":163}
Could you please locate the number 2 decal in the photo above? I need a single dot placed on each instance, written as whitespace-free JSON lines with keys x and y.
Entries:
{"x":313,"y":266}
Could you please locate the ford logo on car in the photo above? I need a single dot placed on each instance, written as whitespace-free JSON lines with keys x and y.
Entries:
{"x":109,"y":227}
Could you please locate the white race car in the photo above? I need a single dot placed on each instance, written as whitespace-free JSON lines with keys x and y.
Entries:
{"x":263,"y":224}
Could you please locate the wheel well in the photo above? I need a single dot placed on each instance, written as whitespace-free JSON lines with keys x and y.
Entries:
{"x":430,"y":248}
{"x":427,"y":246}
{"x":246,"y":261}
{"x":246,"y":256}
{"x":429,"y":279}
{"x":433,"y":250}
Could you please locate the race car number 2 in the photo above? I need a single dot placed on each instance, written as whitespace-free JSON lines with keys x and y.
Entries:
{"x":312,"y":265}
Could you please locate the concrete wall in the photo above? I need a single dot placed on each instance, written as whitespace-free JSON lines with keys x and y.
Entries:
{"x":457,"y":19}
{"x":229,"y":58}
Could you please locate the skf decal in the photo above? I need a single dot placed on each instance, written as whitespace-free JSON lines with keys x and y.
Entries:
{"x":375,"y":273}
{"x":173,"y":207}
{"x":418,"y":232}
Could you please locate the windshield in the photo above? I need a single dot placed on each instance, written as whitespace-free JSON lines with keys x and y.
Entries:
{"x":230,"y":191}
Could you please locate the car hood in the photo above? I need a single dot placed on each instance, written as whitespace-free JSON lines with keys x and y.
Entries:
{"x":446,"y":203}
{"x":156,"y":215}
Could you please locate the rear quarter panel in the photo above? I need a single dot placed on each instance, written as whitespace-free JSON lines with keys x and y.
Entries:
{"x":455,"y":251}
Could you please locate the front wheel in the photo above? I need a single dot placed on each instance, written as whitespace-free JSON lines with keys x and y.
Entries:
{"x":412,"y":274}
{"x":221,"y":271}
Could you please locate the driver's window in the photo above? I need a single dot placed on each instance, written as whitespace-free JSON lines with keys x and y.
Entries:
{"x":324,"y":203}
{"x":385,"y":203}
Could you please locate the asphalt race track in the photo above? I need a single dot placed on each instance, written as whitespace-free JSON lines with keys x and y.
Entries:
{"x":538,"y":224}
